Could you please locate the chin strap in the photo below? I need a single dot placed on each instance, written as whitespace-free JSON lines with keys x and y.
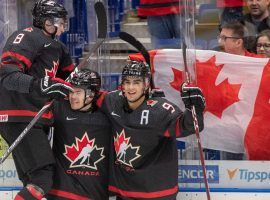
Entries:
{"x":51,"y":34}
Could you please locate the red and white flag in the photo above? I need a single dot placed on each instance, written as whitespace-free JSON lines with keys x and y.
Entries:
{"x":237,"y":114}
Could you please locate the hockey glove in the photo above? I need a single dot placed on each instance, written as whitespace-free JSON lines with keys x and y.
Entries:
{"x":54,"y":88}
{"x":192,"y":95}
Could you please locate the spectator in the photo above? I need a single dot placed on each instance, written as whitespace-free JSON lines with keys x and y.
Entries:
{"x":263,"y":43}
{"x":163,"y":18}
{"x":233,"y":39}
{"x":257,"y":19}
{"x":232,"y":10}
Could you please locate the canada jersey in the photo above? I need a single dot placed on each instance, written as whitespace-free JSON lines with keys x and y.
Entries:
{"x":145,"y":159}
{"x":33,"y":53}
{"x":81,"y":147}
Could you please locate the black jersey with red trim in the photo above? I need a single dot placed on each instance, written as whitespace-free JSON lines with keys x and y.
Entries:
{"x":33,"y":53}
{"x":145,"y":161}
{"x":81,"y":147}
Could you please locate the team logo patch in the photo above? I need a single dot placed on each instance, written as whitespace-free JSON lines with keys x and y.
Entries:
{"x":151,"y":103}
{"x":3,"y":118}
{"x":84,"y":153}
{"x":51,"y":73}
{"x":29,"y":29}
{"x":126,"y":153}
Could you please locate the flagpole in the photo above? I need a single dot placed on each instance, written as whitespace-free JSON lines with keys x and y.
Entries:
{"x":187,"y":25}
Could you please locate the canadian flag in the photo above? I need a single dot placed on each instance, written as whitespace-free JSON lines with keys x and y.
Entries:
{"x":237,"y":93}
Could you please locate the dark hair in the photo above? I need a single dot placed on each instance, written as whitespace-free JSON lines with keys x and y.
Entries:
{"x":264,"y":33}
{"x":239,"y":30}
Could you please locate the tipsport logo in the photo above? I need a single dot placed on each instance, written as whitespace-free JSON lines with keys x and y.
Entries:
{"x":194,"y":174}
{"x":248,"y":175}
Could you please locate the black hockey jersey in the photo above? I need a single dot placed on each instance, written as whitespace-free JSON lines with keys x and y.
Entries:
{"x":81,"y":147}
{"x":33,"y":53}
{"x":145,"y":161}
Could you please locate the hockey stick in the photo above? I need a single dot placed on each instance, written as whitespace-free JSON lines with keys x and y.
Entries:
{"x":139,"y":46}
{"x":195,"y":122}
{"x":102,"y":32}
{"x":188,"y":34}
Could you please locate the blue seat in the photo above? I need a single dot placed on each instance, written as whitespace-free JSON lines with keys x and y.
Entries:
{"x":208,"y":13}
{"x":206,"y":6}
{"x":201,"y":44}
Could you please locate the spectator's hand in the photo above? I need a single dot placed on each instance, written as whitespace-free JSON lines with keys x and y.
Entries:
{"x":54,"y":88}
{"x":192,"y":95}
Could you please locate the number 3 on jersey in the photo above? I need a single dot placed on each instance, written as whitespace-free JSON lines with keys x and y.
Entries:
{"x":18,"y":39}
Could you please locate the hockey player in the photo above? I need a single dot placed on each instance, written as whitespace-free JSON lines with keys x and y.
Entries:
{"x":145,"y":161}
{"x":30,"y":61}
{"x":82,"y":136}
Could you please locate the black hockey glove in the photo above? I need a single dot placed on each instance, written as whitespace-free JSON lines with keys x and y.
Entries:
{"x":54,"y":88}
{"x":192,"y":95}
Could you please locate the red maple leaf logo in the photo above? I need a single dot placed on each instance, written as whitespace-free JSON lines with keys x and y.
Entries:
{"x":52,"y":73}
{"x":218,"y":97}
{"x":73,"y":151}
{"x":177,"y":79}
{"x":29,"y":29}
{"x":120,"y":139}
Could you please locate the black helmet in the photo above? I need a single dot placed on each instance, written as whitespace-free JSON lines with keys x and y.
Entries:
{"x":136,"y":68}
{"x":47,"y":9}
{"x":88,"y":80}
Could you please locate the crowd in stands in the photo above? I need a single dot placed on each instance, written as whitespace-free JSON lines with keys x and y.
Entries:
{"x":245,"y":19}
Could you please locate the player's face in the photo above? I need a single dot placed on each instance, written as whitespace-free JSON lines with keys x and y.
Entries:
{"x":56,"y":24}
{"x":77,"y":98}
{"x":134,"y":90}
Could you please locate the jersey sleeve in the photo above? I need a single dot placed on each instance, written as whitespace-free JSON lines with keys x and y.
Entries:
{"x":187,"y":125}
{"x":20,"y":50}
{"x":173,"y":127}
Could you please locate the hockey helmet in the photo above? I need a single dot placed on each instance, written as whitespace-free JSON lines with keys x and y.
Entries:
{"x":88,"y":80}
{"x":47,"y":9}
{"x":136,"y":69}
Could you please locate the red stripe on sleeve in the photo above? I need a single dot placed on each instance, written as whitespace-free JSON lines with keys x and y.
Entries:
{"x":69,"y":68}
{"x":67,"y":195}
{"x":25,"y":113}
{"x":20,"y":57}
{"x":144,"y":195}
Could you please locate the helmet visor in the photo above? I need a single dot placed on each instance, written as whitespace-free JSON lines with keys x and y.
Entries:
{"x":61,"y":22}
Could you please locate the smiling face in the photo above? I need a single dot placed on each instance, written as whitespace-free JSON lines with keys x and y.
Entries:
{"x":134,"y":89}
{"x":77,"y":99}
